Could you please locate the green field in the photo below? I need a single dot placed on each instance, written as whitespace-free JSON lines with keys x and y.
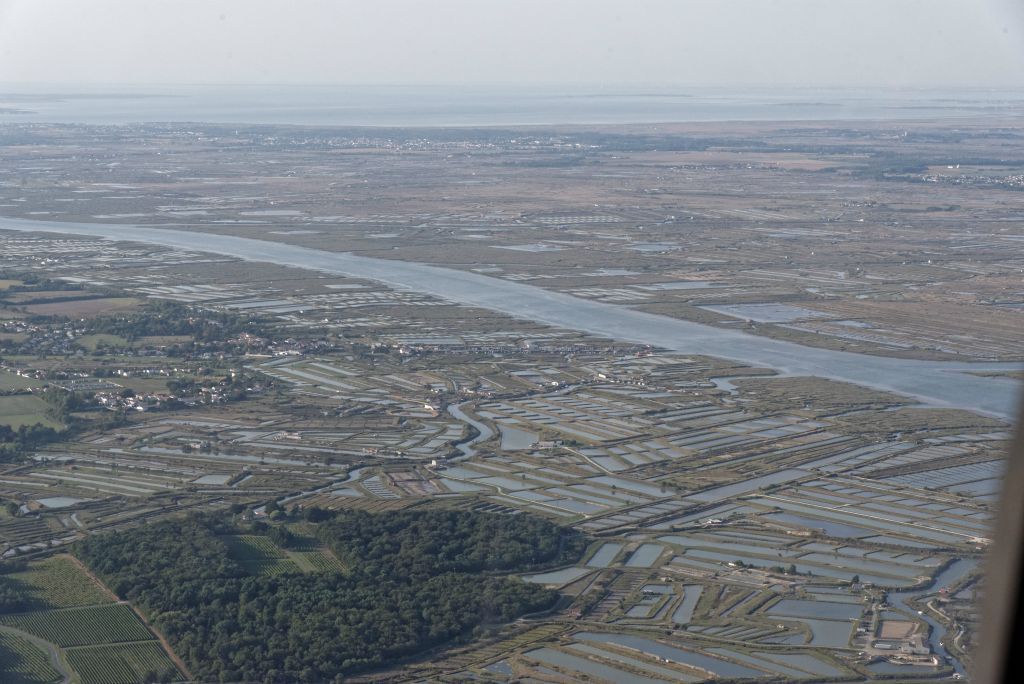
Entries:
{"x":30,"y":296}
{"x":21,"y":662}
{"x":80,"y":626}
{"x":122,"y":663}
{"x":316,"y":561}
{"x":12,"y":381}
{"x":161,"y":340}
{"x":56,"y":583}
{"x":92,"y":342}
{"x":258,"y":555}
{"x":85,"y":308}
{"x":21,"y":410}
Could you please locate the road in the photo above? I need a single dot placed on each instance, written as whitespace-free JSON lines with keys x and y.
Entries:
{"x":52,"y":652}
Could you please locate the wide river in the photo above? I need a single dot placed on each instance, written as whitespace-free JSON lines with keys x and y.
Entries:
{"x":938,"y":383}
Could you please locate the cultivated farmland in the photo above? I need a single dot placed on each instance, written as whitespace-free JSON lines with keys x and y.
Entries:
{"x":122,"y":663}
{"x":21,"y":662}
{"x":80,"y":626}
{"x":57,"y":583}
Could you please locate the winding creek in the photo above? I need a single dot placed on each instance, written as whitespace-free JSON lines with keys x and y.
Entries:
{"x":947,"y":577}
{"x":484,"y":432}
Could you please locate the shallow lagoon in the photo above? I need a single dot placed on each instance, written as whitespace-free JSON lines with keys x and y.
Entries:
{"x":672,"y":675}
{"x":514,"y":439}
{"x":684,"y":613}
{"x":645,"y":556}
{"x":559,"y":577}
{"x":719,"y":667}
{"x":604,"y":555}
{"x":590,"y":667}
{"x":816,"y":609}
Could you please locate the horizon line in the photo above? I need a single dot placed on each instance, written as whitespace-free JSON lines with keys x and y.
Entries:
{"x":519,"y":84}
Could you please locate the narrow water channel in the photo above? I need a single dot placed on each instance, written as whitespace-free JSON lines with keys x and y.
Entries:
{"x":949,"y":576}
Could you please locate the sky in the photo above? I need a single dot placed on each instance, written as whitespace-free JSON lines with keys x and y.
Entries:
{"x":856,"y":43}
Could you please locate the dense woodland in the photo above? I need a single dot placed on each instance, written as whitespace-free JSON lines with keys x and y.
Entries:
{"x":15,"y":443}
{"x":162,"y":317}
{"x":416,"y":580}
{"x":14,"y":598}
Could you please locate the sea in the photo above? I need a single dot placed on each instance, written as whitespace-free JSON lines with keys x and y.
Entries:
{"x":449,"y":106}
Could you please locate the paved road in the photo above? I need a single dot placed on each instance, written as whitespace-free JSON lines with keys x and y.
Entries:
{"x":938,"y":383}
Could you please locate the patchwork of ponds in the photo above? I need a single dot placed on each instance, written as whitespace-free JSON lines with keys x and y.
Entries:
{"x":604,"y":556}
{"x":514,"y":439}
{"x":830,"y":633}
{"x":803,"y":568}
{"x":833,"y":519}
{"x":760,"y":663}
{"x":645,"y":555}
{"x":590,"y":667}
{"x":804,"y":662}
{"x":831,"y":528}
{"x":691,"y":595}
{"x":644,"y":606}
{"x":670,"y":653}
{"x":672,"y":675}
{"x":557,"y":577}
{"x":746,"y":486}
{"x":815,"y":609}
{"x":888,"y":668}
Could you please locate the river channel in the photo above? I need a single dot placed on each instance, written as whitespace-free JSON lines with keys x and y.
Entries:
{"x":937,"y":383}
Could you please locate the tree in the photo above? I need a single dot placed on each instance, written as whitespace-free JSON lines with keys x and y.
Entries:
{"x":315,"y":514}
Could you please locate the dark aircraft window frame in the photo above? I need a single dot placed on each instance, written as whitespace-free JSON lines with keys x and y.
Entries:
{"x":1002,"y":631}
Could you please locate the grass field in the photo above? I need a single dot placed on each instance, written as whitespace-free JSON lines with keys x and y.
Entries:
{"x":81,"y":626}
{"x":21,"y":662}
{"x":161,"y":340}
{"x":316,"y":561}
{"x":30,"y":296}
{"x":121,"y":663}
{"x":56,"y":583}
{"x":25,"y":410}
{"x":258,"y":555}
{"x":6,"y":284}
{"x":84,"y":308}
{"x":92,"y":342}
{"x":12,"y":381}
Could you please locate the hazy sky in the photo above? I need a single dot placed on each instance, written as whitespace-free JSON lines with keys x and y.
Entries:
{"x":688,"y":42}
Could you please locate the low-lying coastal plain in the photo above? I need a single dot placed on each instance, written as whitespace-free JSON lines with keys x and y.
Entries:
{"x":681,"y":401}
